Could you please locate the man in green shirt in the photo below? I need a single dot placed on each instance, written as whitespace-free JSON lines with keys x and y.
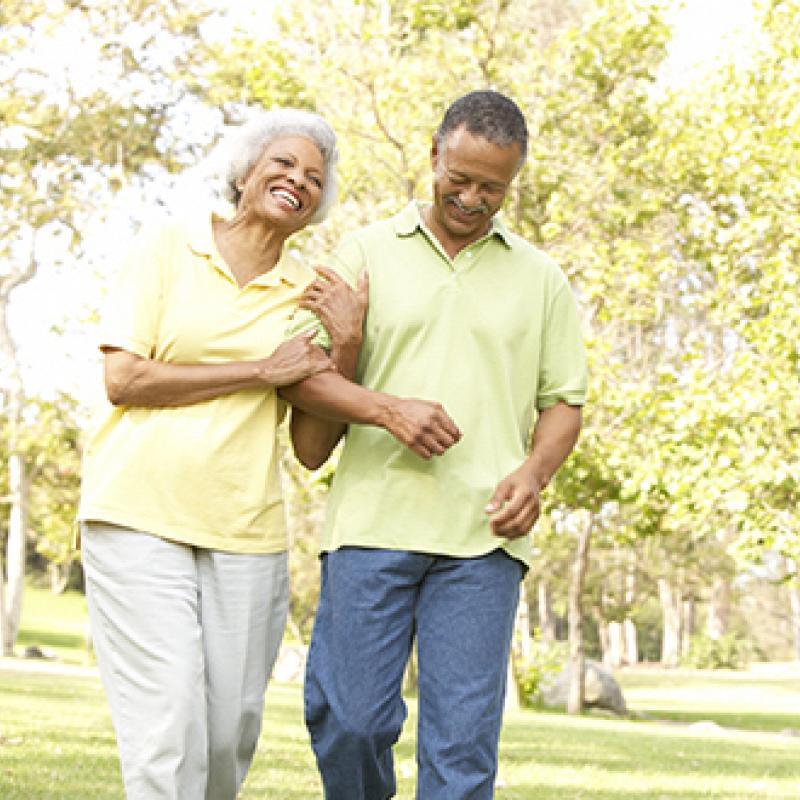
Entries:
{"x":427,"y":523}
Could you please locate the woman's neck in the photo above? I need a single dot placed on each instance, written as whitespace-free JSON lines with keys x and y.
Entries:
{"x":249,"y":247}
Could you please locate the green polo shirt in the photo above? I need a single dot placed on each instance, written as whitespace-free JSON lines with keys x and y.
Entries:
{"x":492,"y":335}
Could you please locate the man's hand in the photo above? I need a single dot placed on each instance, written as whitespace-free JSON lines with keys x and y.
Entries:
{"x":340,"y":309}
{"x":293,"y":360}
{"x":425,"y":428}
{"x":515,"y":506}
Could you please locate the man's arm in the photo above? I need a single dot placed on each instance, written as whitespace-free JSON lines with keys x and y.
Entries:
{"x":341,"y":310}
{"x":515,"y":504}
{"x":423,"y":427}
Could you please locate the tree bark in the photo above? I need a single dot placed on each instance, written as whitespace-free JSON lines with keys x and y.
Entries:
{"x":15,"y":550}
{"x":520,"y":650}
{"x":794,"y":604}
{"x":11,"y":607}
{"x":576,"y":691}
{"x":719,"y":608}
{"x":616,"y":645}
{"x":688,"y":623}
{"x":670,"y":608}
{"x":547,"y":617}
{"x":631,"y":642}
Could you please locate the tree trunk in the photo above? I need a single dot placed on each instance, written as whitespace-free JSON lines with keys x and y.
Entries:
{"x":671,"y":611}
{"x":520,"y":654}
{"x":602,"y":634}
{"x":616,"y":646}
{"x":688,"y":623}
{"x":11,"y":606}
{"x":794,"y":604}
{"x":59,"y":575}
{"x":3,"y":615}
{"x":631,"y":642}
{"x":15,"y":550}
{"x":575,"y":695}
{"x":547,"y":617}
{"x":719,"y":608}
{"x":512,"y":691}
{"x":629,"y":626}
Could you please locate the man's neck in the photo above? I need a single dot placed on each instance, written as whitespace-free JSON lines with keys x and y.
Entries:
{"x":451,"y":245}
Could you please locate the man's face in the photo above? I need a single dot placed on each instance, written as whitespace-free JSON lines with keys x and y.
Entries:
{"x":471,"y":177}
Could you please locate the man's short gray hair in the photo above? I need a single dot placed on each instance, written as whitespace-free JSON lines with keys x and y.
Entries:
{"x":244,"y":145}
{"x":489,"y":114}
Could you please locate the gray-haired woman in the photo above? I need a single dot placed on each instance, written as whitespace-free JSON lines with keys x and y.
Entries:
{"x":182,"y":524}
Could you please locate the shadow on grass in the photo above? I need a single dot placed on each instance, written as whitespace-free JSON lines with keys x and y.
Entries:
{"x":48,"y":639}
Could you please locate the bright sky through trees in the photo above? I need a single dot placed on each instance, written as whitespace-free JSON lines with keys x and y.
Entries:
{"x":49,"y":316}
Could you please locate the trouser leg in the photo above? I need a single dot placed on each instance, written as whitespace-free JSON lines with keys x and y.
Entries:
{"x":359,"y":648}
{"x":244,"y":603}
{"x":143,"y":606}
{"x":465,"y":618}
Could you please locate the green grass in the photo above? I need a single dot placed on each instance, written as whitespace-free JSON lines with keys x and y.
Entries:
{"x":763,"y":698}
{"x":56,"y":743}
{"x":54,"y":623}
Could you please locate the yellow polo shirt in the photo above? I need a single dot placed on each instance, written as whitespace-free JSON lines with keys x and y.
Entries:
{"x":204,"y":474}
{"x":492,"y":335}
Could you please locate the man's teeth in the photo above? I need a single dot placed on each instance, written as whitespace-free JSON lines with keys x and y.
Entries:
{"x":284,"y":195}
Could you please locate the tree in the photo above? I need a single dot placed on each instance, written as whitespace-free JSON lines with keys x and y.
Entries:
{"x":69,"y":141}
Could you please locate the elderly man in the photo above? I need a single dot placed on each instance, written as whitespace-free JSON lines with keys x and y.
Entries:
{"x":427,"y":523}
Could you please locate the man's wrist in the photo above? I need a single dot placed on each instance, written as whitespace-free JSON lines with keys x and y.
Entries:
{"x":536,"y":474}
{"x":381,"y":411}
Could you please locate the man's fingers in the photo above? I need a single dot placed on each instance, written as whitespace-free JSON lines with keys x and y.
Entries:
{"x":516,"y":518}
{"x":501,"y":494}
{"x":328,"y":274}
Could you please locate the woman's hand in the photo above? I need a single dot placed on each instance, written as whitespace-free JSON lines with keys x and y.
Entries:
{"x":295,"y":359}
{"x":340,"y":309}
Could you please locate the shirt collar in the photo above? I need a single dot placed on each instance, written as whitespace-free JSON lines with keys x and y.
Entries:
{"x":200,"y":239}
{"x":409,"y":220}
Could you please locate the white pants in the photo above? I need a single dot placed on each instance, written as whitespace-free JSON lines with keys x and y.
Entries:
{"x":185,"y":640}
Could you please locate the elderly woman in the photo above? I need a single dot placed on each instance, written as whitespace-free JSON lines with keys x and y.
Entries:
{"x":182,"y":523}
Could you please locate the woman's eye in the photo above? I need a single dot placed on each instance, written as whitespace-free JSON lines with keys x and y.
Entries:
{"x":284,"y":162}
{"x":316,"y":181}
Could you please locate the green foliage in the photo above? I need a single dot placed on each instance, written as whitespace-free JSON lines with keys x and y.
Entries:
{"x":546,"y":661}
{"x":49,"y":437}
{"x":729,"y":651}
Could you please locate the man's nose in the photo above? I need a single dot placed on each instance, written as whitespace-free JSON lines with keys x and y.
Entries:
{"x":470,"y":196}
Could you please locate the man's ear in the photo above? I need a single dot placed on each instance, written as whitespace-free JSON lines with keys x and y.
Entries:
{"x":435,"y":153}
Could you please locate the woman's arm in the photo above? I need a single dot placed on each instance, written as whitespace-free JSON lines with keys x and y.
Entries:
{"x":132,"y":380}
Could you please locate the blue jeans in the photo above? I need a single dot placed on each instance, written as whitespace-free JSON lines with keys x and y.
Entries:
{"x":372,"y":604}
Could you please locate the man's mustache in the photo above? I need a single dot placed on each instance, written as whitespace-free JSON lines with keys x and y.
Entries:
{"x":479,"y":209}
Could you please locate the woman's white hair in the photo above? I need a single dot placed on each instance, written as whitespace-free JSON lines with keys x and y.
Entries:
{"x":243,"y":146}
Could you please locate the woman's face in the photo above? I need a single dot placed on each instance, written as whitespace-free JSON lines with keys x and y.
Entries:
{"x":284,"y":187}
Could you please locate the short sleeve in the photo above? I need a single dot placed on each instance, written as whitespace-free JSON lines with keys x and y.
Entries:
{"x":131,"y":318}
{"x":348,"y":261}
{"x":562,"y":376}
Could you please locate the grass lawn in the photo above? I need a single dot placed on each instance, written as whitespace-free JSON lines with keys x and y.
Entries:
{"x":765,"y":697}
{"x":56,"y":741}
{"x":54,"y":623}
